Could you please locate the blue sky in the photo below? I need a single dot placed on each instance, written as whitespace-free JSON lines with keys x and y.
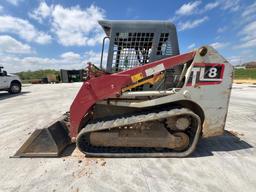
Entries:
{"x":41,"y":34}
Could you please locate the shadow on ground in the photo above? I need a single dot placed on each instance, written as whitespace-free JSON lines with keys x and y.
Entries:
{"x":225,"y":143}
{"x":6,"y":95}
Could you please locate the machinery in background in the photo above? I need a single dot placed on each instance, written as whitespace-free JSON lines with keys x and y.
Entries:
{"x":147,"y":101}
{"x":70,"y":76}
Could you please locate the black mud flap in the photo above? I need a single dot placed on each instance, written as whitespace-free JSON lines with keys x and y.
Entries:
{"x":46,"y":142}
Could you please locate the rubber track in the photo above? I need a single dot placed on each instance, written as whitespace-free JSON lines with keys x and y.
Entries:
{"x":83,"y":137}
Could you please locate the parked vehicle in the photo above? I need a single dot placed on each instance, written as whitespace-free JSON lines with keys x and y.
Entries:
{"x":9,"y":82}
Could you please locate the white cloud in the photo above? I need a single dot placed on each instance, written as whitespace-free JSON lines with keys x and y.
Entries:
{"x":251,"y":9}
{"x":218,"y":45}
{"x":247,"y":44}
{"x":191,"y":24}
{"x":94,"y":57}
{"x":248,"y":34}
{"x":193,"y":8}
{"x":70,"y":56}
{"x":191,"y":46}
{"x":42,"y":12}
{"x":211,"y":6}
{"x":218,"y":37}
{"x":67,"y":60}
{"x":24,"y":29}
{"x":249,"y":31}
{"x":72,"y":26}
{"x":11,"y":45}
{"x":249,"y":13}
{"x":243,"y":57}
{"x":230,"y":5}
{"x":222,"y":29}
{"x":196,"y":7}
{"x":188,"y":8}
{"x":1,"y":8}
{"x":14,"y":2}
{"x":235,"y":60}
{"x":15,"y":64}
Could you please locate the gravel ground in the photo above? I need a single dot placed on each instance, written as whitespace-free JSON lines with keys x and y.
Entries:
{"x":226,"y":163}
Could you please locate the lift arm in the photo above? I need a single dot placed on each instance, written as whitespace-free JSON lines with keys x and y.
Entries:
{"x":105,"y":86}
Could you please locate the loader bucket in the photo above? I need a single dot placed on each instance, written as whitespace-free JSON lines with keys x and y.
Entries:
{"x":46,"y":142}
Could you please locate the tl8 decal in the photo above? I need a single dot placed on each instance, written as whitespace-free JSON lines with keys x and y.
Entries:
{"x":206,"y":74}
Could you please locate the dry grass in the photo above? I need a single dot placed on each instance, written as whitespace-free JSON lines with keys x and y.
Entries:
{"x":250,"y":81}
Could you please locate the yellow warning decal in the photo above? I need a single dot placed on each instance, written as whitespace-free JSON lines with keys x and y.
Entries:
{"x":137,"y":77}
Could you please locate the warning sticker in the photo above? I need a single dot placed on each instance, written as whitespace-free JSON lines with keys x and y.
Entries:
{"x":154,"y":70}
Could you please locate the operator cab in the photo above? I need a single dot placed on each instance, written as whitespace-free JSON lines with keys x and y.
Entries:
{"x":135,"y":43}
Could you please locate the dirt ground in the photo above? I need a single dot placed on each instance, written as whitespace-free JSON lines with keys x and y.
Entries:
{"x":226,"y":163}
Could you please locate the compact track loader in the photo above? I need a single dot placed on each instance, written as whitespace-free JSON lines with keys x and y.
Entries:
{"x":147,"y":101}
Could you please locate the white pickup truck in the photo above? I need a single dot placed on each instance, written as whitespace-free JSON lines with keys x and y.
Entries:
{"x":9,"y":82}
